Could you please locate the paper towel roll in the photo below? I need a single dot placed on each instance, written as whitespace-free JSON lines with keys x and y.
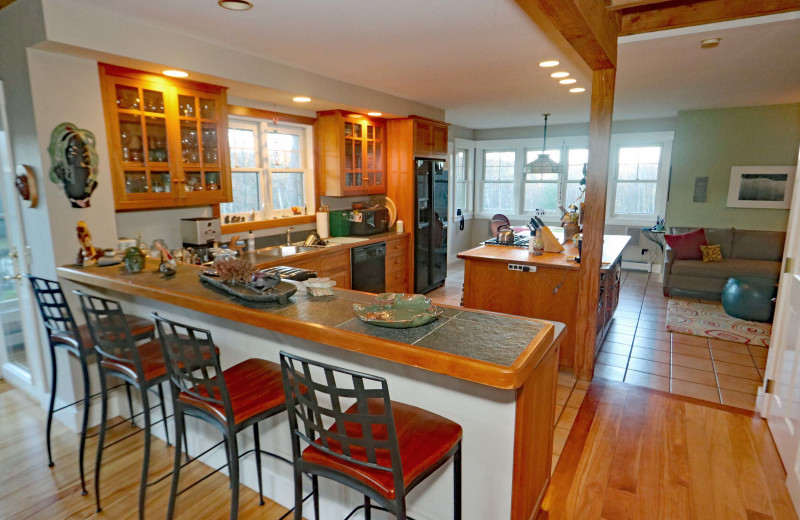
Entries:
{"x":323,"y":224}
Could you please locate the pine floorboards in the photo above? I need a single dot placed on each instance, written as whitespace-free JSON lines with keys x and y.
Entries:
{"x":639,"y":454}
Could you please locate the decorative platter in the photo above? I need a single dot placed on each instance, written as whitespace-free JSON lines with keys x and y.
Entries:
{"x":279,"y":293}
{"x":398,"y":311}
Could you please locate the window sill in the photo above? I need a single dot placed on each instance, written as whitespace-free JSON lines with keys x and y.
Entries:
{"x":244,"y":227}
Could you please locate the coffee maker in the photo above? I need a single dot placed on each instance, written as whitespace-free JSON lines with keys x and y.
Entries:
{"x":200,"y":234}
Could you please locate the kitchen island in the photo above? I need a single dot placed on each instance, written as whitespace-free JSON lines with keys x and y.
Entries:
{"x":493,"y":374}
{"x":513,"y":281}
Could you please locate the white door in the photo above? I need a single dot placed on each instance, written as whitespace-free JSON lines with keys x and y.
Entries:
{"x":19,"y":352}
{"x":781,"y":407}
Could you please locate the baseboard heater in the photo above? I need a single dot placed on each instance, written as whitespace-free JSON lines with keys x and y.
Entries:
{"x":636,"y":266}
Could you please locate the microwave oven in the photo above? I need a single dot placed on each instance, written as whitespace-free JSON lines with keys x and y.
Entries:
{"x":369,"y":221}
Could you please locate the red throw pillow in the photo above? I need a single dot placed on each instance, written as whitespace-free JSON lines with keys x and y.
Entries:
{"x":687,"y":245}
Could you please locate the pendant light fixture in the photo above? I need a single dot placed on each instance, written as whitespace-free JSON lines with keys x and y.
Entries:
{"x":543,"y":163}
{"x":236,"y":5}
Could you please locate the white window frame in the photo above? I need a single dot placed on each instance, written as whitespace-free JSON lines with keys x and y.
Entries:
{"x":263,"y":127}
{"x":515,"y":180}
{"x":661,"y":139}
{"x":469,"y":182}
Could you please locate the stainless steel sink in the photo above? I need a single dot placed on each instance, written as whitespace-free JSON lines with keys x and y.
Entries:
{"x":281,"y":251}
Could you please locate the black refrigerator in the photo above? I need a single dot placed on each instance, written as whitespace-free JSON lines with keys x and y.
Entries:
{"x":430,"y":225}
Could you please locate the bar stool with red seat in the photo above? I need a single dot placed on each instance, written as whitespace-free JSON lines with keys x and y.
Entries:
{"x":64,"y":333}
{"x":142,"y":365}
{"x":231,"y":400}
{"x":378,"y":447}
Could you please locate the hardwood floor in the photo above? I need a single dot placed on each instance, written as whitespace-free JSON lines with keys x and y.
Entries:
{"x":29,"y":489}
{"x":453,"y":289}
{"x":638,"y":454}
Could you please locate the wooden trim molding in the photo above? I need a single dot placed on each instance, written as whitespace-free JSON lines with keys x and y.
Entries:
{"x":244,"y":227}
{"x":115,"y":70}
{"x":281,"y":117}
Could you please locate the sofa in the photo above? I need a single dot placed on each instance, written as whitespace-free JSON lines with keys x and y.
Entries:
{"x":744,"y":253}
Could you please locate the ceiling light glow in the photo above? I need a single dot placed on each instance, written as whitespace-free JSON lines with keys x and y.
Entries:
{"x":301,"y":99}
{"x":559,"y":74}
{"x":549,"y":63}
{"x":236,"y":5}
{"x":568,"y":81}
{"x":577,"y":90}
{"x":175,"y":73}
{"x":709,"y":43}
{"x":375,"y":114}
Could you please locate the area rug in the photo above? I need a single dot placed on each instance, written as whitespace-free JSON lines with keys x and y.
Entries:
{"x":710,"y":321}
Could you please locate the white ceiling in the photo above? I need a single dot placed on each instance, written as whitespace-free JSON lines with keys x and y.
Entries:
{"x":478,"y":59}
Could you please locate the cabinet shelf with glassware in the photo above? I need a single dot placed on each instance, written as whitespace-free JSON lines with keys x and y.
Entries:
{"x":349,"y":153}
{"x":167,"y":140}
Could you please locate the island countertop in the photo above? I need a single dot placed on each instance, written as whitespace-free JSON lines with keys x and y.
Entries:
{"x":487,"y":348}
{"x":612,"y":249}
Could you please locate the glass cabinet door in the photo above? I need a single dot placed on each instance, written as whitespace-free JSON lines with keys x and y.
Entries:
{"x":201,"y":147}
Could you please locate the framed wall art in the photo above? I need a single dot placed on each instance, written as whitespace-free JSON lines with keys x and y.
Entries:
{"x":763,"y":187}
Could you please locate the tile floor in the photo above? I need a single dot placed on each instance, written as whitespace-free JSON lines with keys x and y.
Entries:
{"x":639,"y":350}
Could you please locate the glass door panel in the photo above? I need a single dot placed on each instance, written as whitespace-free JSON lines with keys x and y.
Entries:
{"x":208,"y":109}
{"x":127,"y":97}
{"x":357,"y":154}
{"x":156,"y":139}
{"x":10,"y":320}
{"x":212,"y":181}
{"x":153,"y":101}
{"x":135,"y":182}
{"x":210,"y":148}
{"x":190,"y":148}
{"x":186,"y":106}
{"x":194,"y":181}
{"x":160,"y":182}
{"x":130,"y":134}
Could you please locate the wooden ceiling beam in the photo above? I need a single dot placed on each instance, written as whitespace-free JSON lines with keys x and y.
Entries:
{"x":586,"y":24}
{"x":616,"y":5}
{"x":690,"y":13}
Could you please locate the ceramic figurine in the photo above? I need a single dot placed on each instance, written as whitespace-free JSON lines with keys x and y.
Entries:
{"x":169,"y":264}
{"x":88,"y":255}
{"x":134,"y":260}
{"x":74,"y":162}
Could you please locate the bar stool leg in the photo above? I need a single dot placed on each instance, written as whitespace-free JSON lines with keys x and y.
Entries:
{"x":54,"y":379}
{"x":163,"y":413}
{"x":457,"y":483}
{"x":367,"y":508}
{"x":176,"y":467}
{"x":257,"y":441}
{"x":234,"y":475}
{"x":146,"y":460}
{"x":298,"y":494}
{"x":101,"y":438}
{"x":315,"y":496}
{"x":87,"y":393}
{"x":130,"y":403}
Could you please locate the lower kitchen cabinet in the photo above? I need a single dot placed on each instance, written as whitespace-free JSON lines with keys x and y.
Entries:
{"x":397,"y":265}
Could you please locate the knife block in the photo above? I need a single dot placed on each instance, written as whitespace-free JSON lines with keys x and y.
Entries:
{"x":551,"y":243}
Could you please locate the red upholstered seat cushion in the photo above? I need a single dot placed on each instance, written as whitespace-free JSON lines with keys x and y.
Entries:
{"x":254,"y":385}
{"x":687,"y":245}
{"x":152,"y":358}
{"x":424,"y":439}
{"x":140,"y":328}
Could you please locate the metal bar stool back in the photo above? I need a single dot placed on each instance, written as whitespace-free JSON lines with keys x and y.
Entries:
{"x":348,"y":423}
{"x":142,"y":365}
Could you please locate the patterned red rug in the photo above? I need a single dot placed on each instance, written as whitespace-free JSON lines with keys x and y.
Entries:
{"x":710,"y":321}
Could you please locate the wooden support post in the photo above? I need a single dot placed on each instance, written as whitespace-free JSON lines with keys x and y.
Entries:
{"x":594,"y":220}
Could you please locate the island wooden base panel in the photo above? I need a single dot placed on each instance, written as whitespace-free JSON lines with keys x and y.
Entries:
{"x":639,"y":454}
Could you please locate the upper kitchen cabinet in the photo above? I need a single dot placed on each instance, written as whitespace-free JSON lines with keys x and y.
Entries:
{"x":430,"y":138}
{"x":167,"y":140}
{"x":349,"y":154}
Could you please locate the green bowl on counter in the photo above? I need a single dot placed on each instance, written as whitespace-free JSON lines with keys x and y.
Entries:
{"x":398,"y":311}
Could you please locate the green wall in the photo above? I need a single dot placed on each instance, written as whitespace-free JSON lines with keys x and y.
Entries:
{"x":710,"y":142}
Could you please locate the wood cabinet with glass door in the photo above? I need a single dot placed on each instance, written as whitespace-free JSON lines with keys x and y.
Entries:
{"x":167,"y":140}
{"x":349,"y":152}
{"x":430,"y":138}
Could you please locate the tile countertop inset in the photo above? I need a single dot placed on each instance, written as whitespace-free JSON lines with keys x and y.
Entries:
{"x":493,"y":349}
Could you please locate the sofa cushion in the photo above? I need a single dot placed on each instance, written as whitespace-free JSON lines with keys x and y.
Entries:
{"x":758,"y":245}
{"x":728,"y":268}
{"x":723,"y":237}
{"x":687,"y":245}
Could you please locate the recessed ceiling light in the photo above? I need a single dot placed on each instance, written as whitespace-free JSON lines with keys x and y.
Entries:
{"x":236,"y":5}
{"x":375,"y":114}
{"x":301,"y":99}
{"x":175,"y":73}
{"x":577,"y":90}
{"x":708,"y":43}
{"x":559,"y":74}
{"x":549,"y":63}
{"x":568,"y":81}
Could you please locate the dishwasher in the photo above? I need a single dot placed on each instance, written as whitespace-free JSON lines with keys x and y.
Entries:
{"x":368,"y":268}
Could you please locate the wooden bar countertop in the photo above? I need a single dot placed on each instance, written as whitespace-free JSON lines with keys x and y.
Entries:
{"x":612,"y":249}
{"x":492,"y":349}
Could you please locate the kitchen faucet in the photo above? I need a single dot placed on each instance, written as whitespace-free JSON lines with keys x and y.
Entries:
{"x":289,"y":235}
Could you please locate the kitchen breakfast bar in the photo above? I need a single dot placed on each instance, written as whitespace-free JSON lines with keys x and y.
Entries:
{"x":493,"y":374}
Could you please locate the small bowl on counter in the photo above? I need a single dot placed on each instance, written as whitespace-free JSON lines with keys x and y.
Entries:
{"x":398,"y":310}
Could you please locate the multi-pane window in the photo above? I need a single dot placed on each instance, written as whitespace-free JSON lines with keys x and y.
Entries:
{"x":577,"y":159}
{"x":541,"y":189}
{"x":462,"y":180}
{"x":636,"y":180}
{"x":269,"y":168}
{"x":498,"y":180}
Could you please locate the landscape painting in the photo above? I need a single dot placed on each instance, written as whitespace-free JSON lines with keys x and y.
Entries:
{"x":766,"y":187}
